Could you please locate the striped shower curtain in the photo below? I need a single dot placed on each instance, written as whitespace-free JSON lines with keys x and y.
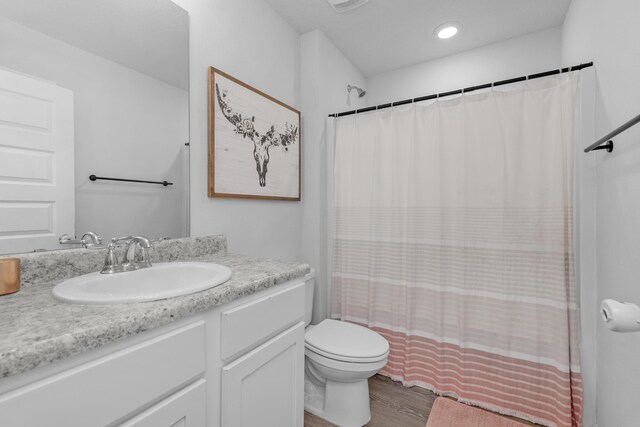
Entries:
{"x":453,"y":239}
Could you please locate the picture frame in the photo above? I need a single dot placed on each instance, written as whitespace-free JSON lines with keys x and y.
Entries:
{"x":254,"y":142}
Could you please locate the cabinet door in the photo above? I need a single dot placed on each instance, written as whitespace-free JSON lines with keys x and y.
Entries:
{"x":186,"y":408}
{"x":265,"y":387}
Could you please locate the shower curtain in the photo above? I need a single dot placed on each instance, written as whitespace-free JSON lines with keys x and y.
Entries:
{"x":453,"y":239}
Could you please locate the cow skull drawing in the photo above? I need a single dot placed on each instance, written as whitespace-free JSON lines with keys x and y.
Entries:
{"x":261,"y":141}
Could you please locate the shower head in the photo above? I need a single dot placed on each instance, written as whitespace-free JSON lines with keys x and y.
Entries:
{"x":361,"y":92}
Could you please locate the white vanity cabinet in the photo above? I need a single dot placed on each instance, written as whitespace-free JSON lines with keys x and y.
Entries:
{"x":235,"y":365}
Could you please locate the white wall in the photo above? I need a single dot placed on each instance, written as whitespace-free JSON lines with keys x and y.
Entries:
{"x":519,"y":56}
{"x":608,"y":33}
{"x":127,"y":124}
{"x":326,"y":72}
{"x":578,"y":32}
{"x":248,"y":40}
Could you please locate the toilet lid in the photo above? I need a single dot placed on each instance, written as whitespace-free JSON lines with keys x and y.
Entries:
{"x":346,"y":340}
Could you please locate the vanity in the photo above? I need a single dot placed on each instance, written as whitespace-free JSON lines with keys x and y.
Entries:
{"x":232,"y":355}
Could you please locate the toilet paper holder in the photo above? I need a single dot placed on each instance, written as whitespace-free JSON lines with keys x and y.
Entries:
{"x":620,"y":316}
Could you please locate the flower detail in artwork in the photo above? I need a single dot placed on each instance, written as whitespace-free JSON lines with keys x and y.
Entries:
{"x":262,"y":140}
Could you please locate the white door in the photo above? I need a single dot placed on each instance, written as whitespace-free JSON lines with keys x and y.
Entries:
{"x":37,"y":188}
{"x":265,"y":387}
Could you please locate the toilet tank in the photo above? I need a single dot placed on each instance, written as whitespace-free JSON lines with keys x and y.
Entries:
{"x":309,"y":285}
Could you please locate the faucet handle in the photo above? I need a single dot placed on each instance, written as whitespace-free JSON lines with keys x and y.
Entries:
{"x":110,"y":260}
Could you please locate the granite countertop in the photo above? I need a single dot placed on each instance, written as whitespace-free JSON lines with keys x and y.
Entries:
{"x":38,"y":330}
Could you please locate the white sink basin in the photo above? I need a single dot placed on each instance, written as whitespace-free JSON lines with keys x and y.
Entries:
{"x":160,"y":281}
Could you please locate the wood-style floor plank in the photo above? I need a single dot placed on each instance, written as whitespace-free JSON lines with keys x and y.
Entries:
{"x":313,"y":421}
{"x":393,"y":405}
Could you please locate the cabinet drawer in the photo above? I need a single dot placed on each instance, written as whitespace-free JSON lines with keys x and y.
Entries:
{"x":186,"y":408}
{"x":251,"y":324}
{"x":110,"y":388}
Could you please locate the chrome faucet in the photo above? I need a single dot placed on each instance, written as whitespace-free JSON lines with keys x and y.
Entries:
{"x":129,"y":258}
{"x":129,"y":261}
{"x":94,"y":241}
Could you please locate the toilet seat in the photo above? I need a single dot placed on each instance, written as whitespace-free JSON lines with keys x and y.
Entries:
{"x":342,"y":358}
{"x":346,"y":342}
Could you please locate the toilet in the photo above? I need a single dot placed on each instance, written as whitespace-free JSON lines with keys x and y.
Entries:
{"x":339,"y":359}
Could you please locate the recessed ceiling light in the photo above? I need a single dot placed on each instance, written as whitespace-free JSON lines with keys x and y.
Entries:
{"x":446,"y":31}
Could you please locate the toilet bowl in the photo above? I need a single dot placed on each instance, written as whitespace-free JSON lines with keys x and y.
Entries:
{"x":339,"y":359}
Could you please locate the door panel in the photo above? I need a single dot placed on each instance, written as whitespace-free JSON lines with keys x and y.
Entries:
{"x":37,"y":188}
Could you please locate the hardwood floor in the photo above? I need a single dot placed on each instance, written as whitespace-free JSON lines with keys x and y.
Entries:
{"x":392,"y":405}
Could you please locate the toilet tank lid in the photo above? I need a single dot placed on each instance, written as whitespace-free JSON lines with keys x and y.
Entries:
{"x":346,"y":339}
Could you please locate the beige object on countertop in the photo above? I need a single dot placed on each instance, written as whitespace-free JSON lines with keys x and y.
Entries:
{"x":9,"y":275}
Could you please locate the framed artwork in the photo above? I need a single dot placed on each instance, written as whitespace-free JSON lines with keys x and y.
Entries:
{"x":254,"y":142}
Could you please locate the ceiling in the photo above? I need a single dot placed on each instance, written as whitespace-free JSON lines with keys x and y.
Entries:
{"x":384,"y":35}
{"x":149,"y":36}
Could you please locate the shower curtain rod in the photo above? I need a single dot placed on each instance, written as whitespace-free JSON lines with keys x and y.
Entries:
{"x":465,"y":90}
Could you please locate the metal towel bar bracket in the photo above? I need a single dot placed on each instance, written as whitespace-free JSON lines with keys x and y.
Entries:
{"x":608,"y":146}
